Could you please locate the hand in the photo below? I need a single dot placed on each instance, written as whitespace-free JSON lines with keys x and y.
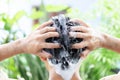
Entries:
{"x":35,"y":42}
{"x":92,"y":39}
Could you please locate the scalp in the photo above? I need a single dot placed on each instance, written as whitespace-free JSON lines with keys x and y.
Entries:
{"x":64,"y":55}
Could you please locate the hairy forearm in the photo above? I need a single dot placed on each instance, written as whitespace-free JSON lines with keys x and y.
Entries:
{"x":10,"y":49}
{"x":111,"y":43}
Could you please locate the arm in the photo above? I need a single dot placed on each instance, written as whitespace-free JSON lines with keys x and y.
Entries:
{"x":10,"y":49}
{"x":93,"y":39}
{"x":111,"y":43}
{"x":33,"y":43}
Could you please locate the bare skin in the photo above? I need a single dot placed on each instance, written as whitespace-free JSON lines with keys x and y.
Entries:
{"x":52,"y":73}
{"x":54,"y":76}
{"x":34,"y":43}
{"x":93,"y":39}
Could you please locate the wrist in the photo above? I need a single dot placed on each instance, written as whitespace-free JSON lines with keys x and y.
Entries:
{"x":19,"y":46}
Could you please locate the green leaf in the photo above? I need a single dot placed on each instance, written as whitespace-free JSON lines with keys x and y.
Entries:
{"x":36,"y":14}
{"x":17,"y":16}
{"x":55,"y":8}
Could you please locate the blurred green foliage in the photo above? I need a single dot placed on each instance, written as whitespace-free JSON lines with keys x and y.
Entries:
{"x":99,"y":62}
{"x":55,"y":8}
{"x":10,"y":35}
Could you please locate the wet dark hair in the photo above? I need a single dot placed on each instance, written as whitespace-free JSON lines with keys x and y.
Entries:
{"x":65,"y":54}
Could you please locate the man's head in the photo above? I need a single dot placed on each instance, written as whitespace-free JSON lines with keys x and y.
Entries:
{"x":65,"y":61}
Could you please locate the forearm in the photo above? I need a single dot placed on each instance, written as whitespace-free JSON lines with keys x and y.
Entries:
{"x":10,"y":49}
{"x":111,"y":43}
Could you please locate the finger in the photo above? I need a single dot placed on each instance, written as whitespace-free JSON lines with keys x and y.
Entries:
{"x":44,"y":55}
{"x":79,"y":35}
{"x":85,"y":53}
{"x":47,"y":29}
{"x":80,"y":45}
{"x":80,"y":22}
{"x":51,"y":45}
{"x":44,"y":25}
{"x":50,"y":34}
{"x":80,"y":28}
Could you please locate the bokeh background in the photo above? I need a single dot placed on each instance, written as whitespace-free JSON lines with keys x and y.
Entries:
{"x":19,"y":17}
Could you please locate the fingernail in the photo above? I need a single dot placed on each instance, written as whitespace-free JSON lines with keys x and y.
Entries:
{"x":58,"y":44}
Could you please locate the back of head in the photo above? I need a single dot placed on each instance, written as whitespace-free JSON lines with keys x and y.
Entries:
{"x":65,"y":58}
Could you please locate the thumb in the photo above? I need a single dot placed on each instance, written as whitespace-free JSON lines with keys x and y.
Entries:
{"x":44,"y":55}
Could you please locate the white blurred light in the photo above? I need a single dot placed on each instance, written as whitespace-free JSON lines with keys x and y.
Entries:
{"x":11,"y":7}
{"x":82,"y":5}
{"x":2,"y":25}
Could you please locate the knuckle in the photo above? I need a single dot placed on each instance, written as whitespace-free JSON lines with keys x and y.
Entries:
{"x":78,"y":28}
{"x":53,"y":28}
{"x":89,"y":36}
{"x":47,"y":28}
{"x":80,"y":35}
{"x":49,"y":33}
